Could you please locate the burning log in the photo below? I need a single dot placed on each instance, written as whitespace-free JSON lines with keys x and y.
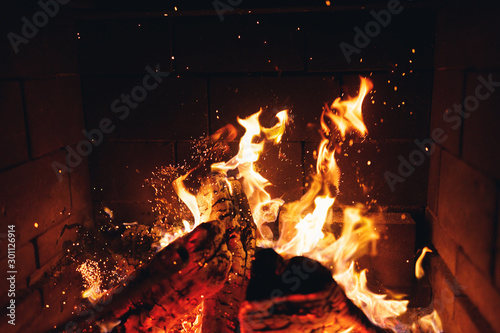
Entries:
{"x":173,"y":284}
{"x":223,"y":199}
{"x":297,"y":296}
{"x":211,"y":264}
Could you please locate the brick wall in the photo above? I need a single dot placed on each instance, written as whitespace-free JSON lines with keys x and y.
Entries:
{"x":41,"y":113}
{"x":463,"y":177}
{"x":224,"y":69}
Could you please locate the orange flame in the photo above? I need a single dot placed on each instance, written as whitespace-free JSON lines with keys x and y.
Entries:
{"x":264,"y":209}
{"x":91,"y":273}
{"x":419,"y":271}
{"x":303,"y":222}
{"x":349,"y":115}
{"x":188,"y":198}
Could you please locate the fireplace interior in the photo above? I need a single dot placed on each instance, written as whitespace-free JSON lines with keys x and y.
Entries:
{"x":100,"y":100}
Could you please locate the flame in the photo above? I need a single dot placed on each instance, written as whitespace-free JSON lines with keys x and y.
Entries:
{"x":196,"y":325}
{"x":349,"y":115}
{"x":91,"y":273}
{"x":431,"y":323}
{"x":419,"y":271}
{"x":169,"y":237}
{"x":304,"y":222}
{"x":264,"y":208}
{"x":188,"y":198}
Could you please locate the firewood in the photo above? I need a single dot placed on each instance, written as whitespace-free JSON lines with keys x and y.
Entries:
{"x":173,"y":284}
{"x":298,"y":295}
{"x":223,"y":199}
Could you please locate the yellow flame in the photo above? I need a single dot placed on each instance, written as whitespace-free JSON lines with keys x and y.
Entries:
{"x":169,"y":237}
{"x":91,"y":273}
{"x":349,"y":112}
{"x":188,"y":198}
{"x":419,"y":271}
{"x":303,"y":222}
{"x":431,"y":323}
{"x":264,"y":208}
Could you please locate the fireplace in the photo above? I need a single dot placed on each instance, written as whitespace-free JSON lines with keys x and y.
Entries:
{"x":98,"y":97}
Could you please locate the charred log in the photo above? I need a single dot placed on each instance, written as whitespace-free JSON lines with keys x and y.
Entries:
{"x":223,"y":199}
{"x":170,"y":286}
{"x":298,"y":295}
{"x":210,"y":265}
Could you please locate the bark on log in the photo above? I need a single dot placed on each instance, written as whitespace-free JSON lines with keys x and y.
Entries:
{"x":297,"y":296}
{"x":224,"y":200}
{"x":171,"y":285}
{"x":210,"y":265}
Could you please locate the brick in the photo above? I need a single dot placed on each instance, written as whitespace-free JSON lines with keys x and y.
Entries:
{"x":26,"y":310}
{"x":282,"y":166}
{"x":393,"y":265}
{"x":120,"y":168}
{"x":433,"y":182}
{"x":481,"y":141}
{"x":239,"y":43}
{"x":479,"y":289}
{"x":444,"y":292}
{"x":411,"y":29}
{"x":54,"y":111}
{"x":51,"y":51}
{"x":79,"y":179}
{"x":123,"y":45}
{"x":448,"y":91}
{"x":58,"y":238}
{"x":13,"y":146}
{"x":458,"y":26}
{"x":465,"y":319}
{"x":60,"y":296}
{"x":175,"y":110}
{"x":232,"y":97}
{"x":31,"y":193}
{"x":395,"y":114}
{"x":362,"y":174}
{"x":444,"y":244}
{"x":467,"y":209}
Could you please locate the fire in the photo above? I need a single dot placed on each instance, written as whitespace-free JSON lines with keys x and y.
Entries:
{"x":91,"y":273}
{"x":304,"y":223}
{"x":188,"y":198}
{"x":419,"y":271}
{"x":264,"y":209}
{"x":349,"y":115}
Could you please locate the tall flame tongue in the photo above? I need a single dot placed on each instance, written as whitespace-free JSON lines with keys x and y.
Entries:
{"x":303,"y":221}
{"x":264,"y":209}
